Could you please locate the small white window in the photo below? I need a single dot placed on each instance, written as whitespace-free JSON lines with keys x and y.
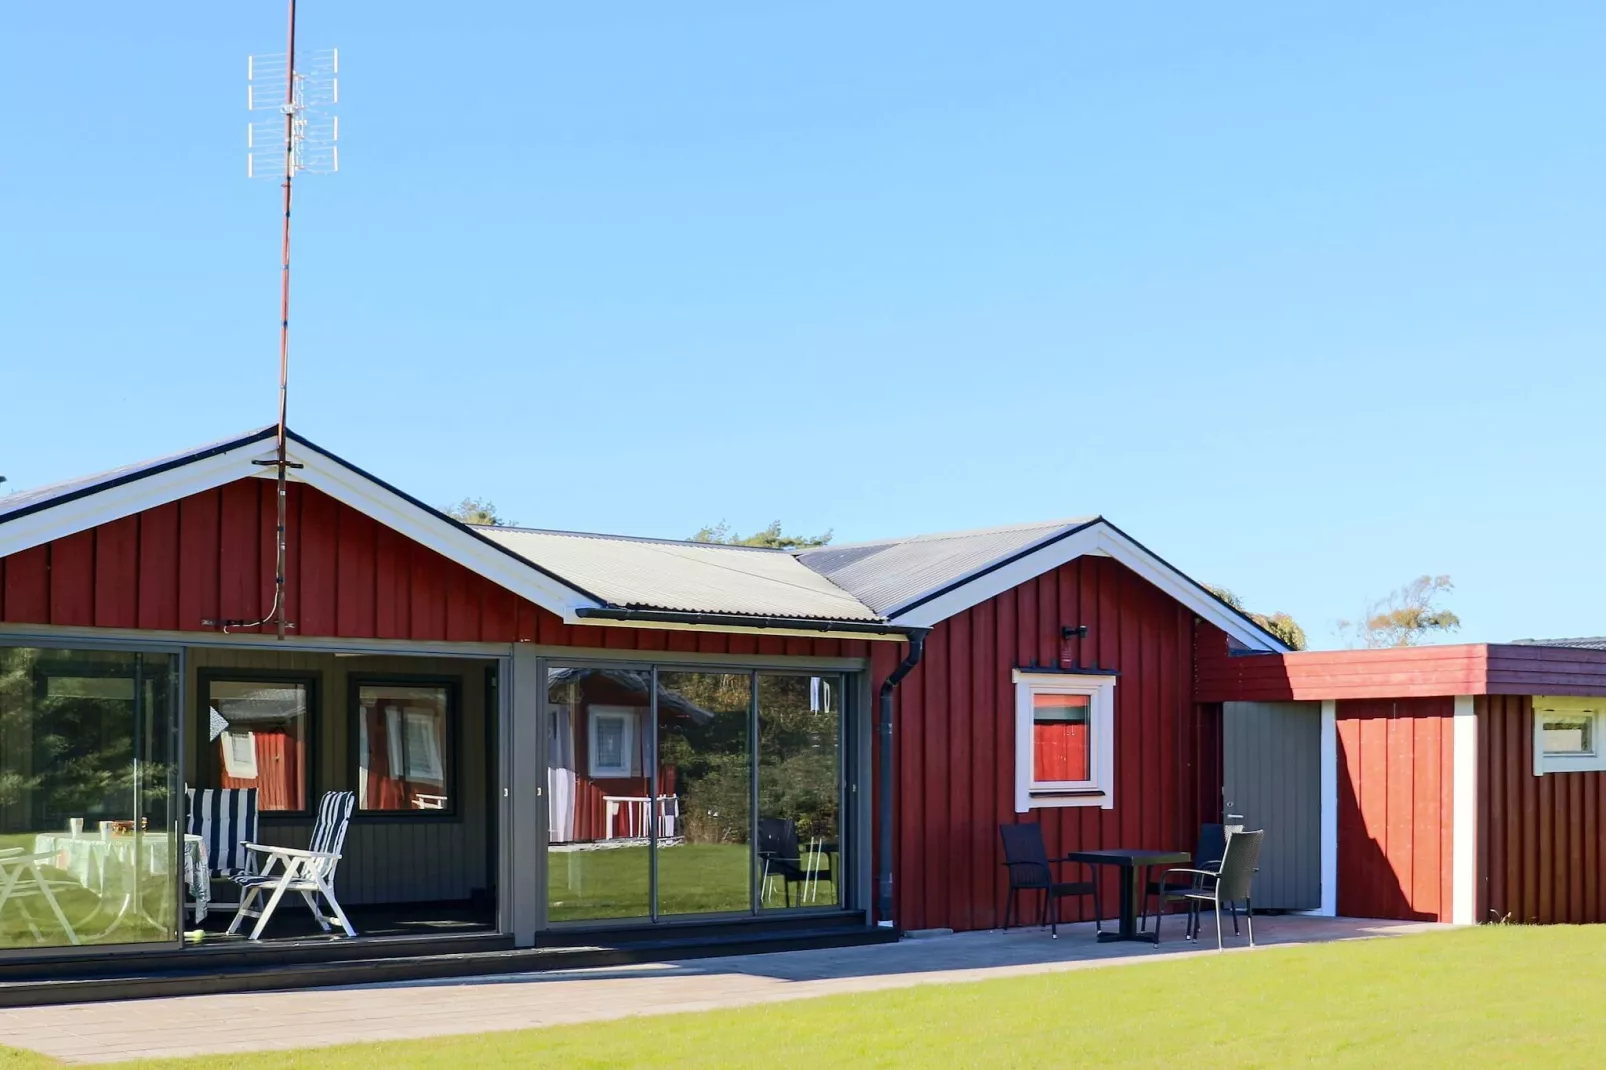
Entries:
{"x":1566,"y":731}
{"x":240,"y":754}
{"x":1064,"y":740}
{"x":615,"y":746}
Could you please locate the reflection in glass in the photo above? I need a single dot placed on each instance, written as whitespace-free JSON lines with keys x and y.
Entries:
{"x":705,"y":781}
{"x":88,"y":835}
{"x":257,"y":733}
{"x":598,"y":794}
{"x":799,"y":790}
{"x":402,"y":762}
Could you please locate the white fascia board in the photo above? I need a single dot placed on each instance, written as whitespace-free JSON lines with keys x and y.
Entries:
{"x":424,"y":527}
{"x":994,"y":583}
{"x":1096,"y":540}
{"x":1204,"y":604}
{"x":102,"y":506}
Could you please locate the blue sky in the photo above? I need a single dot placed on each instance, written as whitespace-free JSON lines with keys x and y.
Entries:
{"x":1307,"y":300}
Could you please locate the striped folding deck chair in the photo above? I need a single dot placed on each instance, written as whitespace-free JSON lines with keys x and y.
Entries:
{"x":226,"y":820}
{"x":310,"y":873}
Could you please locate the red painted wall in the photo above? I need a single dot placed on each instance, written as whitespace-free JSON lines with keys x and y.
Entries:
{"x":1540,"y":850}
{"x":956,"y":738}
{"x":210,"y":556}
{"x":1395,"y":791}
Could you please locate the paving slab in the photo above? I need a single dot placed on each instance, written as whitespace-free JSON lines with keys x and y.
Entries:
{"x":263,"y":1021}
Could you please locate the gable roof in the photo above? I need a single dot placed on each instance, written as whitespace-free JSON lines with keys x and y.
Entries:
{"x":893,"y":575}
{"x":885,"y":587}
{"x":921,"y":580}
{"x":635,"y":573}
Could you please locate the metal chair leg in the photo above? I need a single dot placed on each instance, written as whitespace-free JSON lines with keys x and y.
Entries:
{"x":1218,"y":923}
{"x":1249,"y":919}
{"x":1098,"y":906}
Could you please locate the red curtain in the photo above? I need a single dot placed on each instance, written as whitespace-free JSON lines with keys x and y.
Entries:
{"x":1060,"y":751}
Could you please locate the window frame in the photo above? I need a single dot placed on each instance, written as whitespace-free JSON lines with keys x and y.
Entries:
{"x":1568,"y":706}
{"x":633,"y":747}
{"x":1099,"y":789}
{"x":450,"y":759}
{"x":207,"y":776}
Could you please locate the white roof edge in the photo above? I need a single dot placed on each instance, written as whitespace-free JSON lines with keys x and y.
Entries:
{"x":1096,"y":538}
{"x":122,"y":497}
{"x":428,"y":528}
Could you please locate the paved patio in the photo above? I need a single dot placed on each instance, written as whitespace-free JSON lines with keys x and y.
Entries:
{"x":197,"y":1025}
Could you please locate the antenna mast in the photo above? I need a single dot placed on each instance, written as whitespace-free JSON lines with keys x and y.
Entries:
{"x":307,"y":141}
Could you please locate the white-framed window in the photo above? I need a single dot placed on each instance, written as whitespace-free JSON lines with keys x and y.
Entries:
{"x":1064,"y":740}
{"x":240,"y":754}
{"x":1567,"y":734}
{"x":615,"y":738}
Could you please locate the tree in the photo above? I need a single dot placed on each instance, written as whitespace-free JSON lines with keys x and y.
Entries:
{"x":1279,"y":624}
{"x":1407,"y":616}
{"x":770,"y":537}
{"x":478,"y":511}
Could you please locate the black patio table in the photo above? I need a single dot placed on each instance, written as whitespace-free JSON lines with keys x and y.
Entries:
{"x":1133,"y":864}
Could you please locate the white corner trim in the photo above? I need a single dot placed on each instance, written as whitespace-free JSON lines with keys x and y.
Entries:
{"x":1098,"y":539}
{"x":1100,"y":688}
{"x":1329,"y":812}
{"x":138,"y":494}
{"x":422,"y":526}
{"x":1464,"y":814}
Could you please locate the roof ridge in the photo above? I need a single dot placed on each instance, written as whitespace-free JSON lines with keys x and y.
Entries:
{"x":937,"y":536}
{"x":653,"y":539}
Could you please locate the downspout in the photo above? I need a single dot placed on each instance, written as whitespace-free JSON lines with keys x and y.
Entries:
{"x":917,"y":647}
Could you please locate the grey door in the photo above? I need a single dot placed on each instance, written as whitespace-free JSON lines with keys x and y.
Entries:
{"x":1271,"y":778}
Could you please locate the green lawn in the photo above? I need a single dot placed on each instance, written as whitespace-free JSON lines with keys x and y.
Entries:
{"x":1491,"y":997}
{"x":693,"y":878}
{"x":94,"y":917}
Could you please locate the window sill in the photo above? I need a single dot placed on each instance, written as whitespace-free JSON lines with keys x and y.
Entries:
{"x":1036,"y":800}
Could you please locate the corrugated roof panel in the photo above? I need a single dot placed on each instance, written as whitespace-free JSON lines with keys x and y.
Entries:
{"x":888,"y":574}
{"x":1592,"y":642}
{"x":685,"y":576}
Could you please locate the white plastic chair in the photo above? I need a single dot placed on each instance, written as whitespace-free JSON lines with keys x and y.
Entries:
{"x":21,"y":880}
{"x":310,"y":872}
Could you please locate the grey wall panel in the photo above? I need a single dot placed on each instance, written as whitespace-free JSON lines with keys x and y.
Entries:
{"x":390,"y":859}
{"x":1271,"y":755}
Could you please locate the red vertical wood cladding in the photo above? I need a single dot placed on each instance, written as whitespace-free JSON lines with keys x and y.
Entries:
{"x":212,"y":556}
{"x":1540,"y":856}
{"x":956,"y":737}
{"x":1395,"y":807}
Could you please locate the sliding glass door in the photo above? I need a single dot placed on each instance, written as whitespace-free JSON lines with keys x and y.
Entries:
{"x":703,"y":851}
{"x":676,"y":792}
{"x":799,"y":790}
{"x":89,"y":844}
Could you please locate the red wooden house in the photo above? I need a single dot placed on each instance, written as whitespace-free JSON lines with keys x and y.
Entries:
{"x":554,"y":733}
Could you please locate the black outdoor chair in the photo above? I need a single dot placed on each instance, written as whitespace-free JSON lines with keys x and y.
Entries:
{"x":1206,"y":855}
{"x":778,"y":849}
{"x":1230,"y":884}
{"x":1030,"y":869}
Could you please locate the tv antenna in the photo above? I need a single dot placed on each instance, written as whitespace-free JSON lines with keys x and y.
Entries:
{"x":302,"y":138}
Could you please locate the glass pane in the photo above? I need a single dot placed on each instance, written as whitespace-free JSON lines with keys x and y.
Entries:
{"x":257,"y":738}
{"x":1062,"y":749}
{"x":598,"y":794}
{"x":402,"y":760}
{"x":799,"y":790}
{"x":88,"y":836}
{"x":705,"y":782}
{"x":1568,"y":734}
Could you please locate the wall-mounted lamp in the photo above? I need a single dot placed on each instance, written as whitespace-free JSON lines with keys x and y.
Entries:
{"x":1078,"y":632}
